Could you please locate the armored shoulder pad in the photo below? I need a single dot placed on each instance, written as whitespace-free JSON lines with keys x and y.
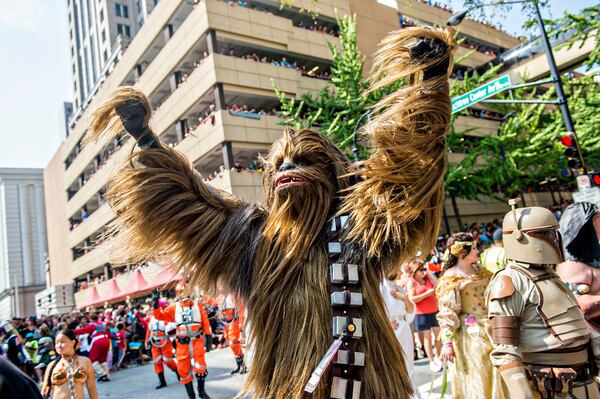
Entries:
{"x":501,"y":287}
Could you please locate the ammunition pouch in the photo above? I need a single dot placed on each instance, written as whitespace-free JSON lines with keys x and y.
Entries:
{"x":550,"y":381}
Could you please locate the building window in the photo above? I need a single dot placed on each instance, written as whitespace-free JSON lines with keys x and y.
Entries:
{"x":121,"y":10}
{"x":72,"y":51}
{"x":124,"y":30}
{"x":103,"y":35}
{"x":105,"y":55}
{"x":101,"y":15}
{"x":73,"y":68}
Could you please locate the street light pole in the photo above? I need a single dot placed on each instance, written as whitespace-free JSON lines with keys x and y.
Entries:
{"x":560,"y":93}
{"x":562,"y":99}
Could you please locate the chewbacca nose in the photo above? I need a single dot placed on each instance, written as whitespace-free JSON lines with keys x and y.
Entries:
{"x":286,"y":166}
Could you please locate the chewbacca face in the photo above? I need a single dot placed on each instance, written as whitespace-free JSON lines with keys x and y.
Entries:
{"x":303,"y":163}
{"x":303,"y":173}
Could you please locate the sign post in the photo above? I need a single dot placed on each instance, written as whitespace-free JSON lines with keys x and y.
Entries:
{"x":588,"y":195}
{"x":481,"y":93}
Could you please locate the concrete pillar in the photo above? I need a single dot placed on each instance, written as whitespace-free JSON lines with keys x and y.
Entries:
{"x":211,"y":41}
{"x":168,"y":32}
{"x":219,"y":96}
{"x":227,"y":155}
{"x":137,"y":71}
{"x":180,"y":129}
{"x":174,"y":80}
{"x":22,"y":192}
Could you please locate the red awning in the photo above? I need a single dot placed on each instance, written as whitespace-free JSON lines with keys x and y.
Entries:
{"x":167,"y":278}
{"x":92,"y":298}
{"x":137,"y":283}
{"x":112,"y":291}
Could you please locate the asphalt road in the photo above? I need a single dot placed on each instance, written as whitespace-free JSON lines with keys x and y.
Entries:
{"x":139,"y":382}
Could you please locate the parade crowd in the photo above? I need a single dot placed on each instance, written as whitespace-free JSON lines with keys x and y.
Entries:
{"x":438,"y":306}
{"x":96,"y":342}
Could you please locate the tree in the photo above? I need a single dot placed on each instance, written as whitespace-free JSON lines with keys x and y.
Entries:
{"x":527,"y":149}
{"x":525,"y":152}
{"x":339,"y":106}
{"x":578,"y":28}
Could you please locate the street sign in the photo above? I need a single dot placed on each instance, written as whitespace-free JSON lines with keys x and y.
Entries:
{"x":588,"y":195}
{"x":583,"y":182}
{"x":481,"y":93}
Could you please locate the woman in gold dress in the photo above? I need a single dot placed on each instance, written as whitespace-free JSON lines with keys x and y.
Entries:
{"x":66,"y":375}
{"x":466,"y":329}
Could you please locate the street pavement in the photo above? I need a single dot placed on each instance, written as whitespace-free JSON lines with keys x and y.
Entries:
{"x":139,"y":382}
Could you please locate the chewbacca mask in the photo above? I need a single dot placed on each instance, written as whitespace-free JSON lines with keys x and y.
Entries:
{"x":276,"y":256}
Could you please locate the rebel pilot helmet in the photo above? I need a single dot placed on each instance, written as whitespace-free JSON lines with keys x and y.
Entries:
{"x":530,"y":235}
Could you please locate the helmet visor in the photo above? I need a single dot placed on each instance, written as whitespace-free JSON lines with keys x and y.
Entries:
{"x":552,"y":237}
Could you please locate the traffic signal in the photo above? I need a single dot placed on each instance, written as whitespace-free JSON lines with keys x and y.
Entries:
{"x":595,"y":178}
{"x":571,"y":152}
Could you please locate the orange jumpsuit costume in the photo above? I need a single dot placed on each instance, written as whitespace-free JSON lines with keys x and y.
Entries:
{"x":189,"y":316}
{"x":162,"y":349}
{"x":229,"y":317}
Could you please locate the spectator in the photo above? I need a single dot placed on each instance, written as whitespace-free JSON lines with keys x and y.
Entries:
{"x":492,"y":258}
{"x":421,"y":291}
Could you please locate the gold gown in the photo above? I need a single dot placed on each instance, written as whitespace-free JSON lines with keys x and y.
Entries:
{"x":463,"y":316}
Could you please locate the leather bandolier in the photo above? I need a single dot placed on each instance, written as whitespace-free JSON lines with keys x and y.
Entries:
{"x":553,"y":371}
{"x":346,"y":300}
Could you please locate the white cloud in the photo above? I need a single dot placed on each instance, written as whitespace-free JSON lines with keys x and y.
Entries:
{"x":23,"y":15}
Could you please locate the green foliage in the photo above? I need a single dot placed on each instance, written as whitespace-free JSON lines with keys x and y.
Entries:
{"x":339,"y":106}
{"x":527,"y":149}
{"x":587,"y":24}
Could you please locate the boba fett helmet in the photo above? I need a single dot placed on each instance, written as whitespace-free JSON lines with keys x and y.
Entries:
{"x":531,"y":235}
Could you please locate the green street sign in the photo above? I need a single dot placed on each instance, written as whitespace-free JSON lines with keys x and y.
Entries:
{"x":481,"y":93}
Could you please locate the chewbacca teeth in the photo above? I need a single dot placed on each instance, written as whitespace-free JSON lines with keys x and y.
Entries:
{"x":289,"y":179}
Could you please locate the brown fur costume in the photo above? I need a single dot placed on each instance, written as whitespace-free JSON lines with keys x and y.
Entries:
{"x":274,"y":256}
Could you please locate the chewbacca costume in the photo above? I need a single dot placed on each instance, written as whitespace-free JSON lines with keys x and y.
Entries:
{"x":327,"y":234}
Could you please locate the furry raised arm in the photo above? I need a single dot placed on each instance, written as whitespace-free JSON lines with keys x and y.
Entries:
{"x":163,"y":207}
{"x":397,"y":204}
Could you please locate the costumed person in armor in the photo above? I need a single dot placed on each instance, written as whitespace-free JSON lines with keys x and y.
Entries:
{"x":580,"y":231}
{"x":161,"y":348}
{"x":307,"y":262}
{"x":229,"y":311}
{"x":192,"y":324}
{"x":463,"y":318}
{"x":542,"y":345}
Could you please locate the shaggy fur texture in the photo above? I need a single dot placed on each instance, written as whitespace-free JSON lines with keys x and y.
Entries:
{"x":274,"y":256}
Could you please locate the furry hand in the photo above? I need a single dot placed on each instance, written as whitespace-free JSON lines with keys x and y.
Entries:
{"x":132,"y":114}
{"x":426,"y":49}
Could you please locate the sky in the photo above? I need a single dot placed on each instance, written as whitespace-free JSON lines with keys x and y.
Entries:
{"x":35,"y":74}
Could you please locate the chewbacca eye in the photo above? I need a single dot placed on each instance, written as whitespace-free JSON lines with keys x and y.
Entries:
{"x":302,"y":161}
